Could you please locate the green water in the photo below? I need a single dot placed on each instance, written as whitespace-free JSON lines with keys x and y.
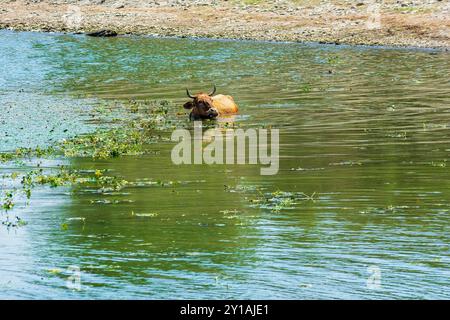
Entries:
{"x":366,"y":130}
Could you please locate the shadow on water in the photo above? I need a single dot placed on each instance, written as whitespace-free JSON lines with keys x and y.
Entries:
{"x":364,"y":130}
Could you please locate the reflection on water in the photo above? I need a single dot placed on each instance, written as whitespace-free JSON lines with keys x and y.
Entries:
{"x":365,"y":130}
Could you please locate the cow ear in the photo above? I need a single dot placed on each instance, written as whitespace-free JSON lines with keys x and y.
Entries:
{"x":188,"y":105}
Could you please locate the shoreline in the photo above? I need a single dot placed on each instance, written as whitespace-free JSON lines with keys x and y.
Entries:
{"x":425,"y":26}
{"x":195,"y":38}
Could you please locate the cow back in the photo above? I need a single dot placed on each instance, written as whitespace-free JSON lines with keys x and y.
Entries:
{"x":224,"y":104}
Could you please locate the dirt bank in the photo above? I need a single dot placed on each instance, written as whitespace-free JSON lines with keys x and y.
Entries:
{"x":423,"y":23}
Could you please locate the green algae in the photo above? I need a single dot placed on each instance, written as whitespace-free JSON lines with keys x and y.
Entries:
{"x":143,"y":123}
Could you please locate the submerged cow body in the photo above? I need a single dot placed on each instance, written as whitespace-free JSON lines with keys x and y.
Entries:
{"x":210,"y":106}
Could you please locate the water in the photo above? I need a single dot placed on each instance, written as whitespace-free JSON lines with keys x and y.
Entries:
{"x":365,"y":130}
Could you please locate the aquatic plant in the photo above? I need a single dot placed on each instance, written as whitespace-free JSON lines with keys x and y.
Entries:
{"x":441,"y":164}
{"x":7,"y":204}
{"x":280,"y":200}
{"x":274,"y":201}
{"x":16,"y":222}
{"x":141,"y":123}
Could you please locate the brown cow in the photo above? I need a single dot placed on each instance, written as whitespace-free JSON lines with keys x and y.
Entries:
{"x":207,"y":106}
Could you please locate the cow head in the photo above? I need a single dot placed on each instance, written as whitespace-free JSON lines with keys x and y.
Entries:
{"x":201,"y":106}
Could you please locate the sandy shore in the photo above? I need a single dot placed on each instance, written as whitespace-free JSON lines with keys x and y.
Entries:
{"x":424,"y":23}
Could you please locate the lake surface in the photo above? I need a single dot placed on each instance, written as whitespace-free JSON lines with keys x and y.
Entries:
{"x":366,"y":131}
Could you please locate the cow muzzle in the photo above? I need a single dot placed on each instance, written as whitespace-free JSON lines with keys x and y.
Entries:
{"x":212,"y":113}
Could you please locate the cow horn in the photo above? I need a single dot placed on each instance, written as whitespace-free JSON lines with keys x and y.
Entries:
{"x":189,"y":95}
{"x":214,"y":91}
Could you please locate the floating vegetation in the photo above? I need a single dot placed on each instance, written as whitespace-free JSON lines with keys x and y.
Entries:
{"x":387,"y":210}
{"x":142,"y":123}
{"x":438,"y":126}
{"x":130,"y":138}
{"x":274,"y":201}
{"x":333,"y":59}
{"x":346,"y":163}
{"x":231,"y":214}
{"x":55,"y":177}
{"x":148,"y":183}
{"x":54,"y":271}
{"x":306,"y":169}
{"x":280,"y":200}
{"x":65,"y":225}
{"x":241,"y":188}
{"x":441,"y":164}
{"x":234,"y":211}
{"x":107,"y":144}
{"x":397,"y":134}
{"x":141,"y":126}
{"x":14,"y":223}
{"x":105,"y":201}
{"x":144,"y":215}
{"x":7,"y":203}
{"x":306,"y":88}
